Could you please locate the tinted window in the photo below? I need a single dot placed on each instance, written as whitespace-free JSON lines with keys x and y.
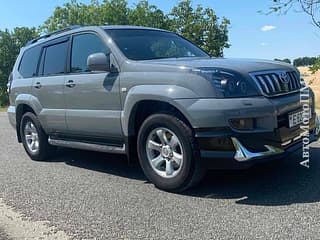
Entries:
{"x":137,"y":44}
{"x":83,"y":46}
{"x":29,"y":62}
{"x":55,"y":59}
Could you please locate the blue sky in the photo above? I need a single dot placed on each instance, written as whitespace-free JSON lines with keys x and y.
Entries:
{"x":289,"y":36}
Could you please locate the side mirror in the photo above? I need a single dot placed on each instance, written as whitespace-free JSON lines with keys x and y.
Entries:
{"x":99,"y":62}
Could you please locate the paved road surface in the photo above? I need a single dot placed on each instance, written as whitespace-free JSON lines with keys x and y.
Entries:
{"x":3,"y":235}
{"x":91,"y":195}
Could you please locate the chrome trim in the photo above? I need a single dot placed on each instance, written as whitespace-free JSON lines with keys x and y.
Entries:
{"x":261,"y":80}
{"x":274,"y":76}
{"x":243,"y":154}
{"x":271,"y":83}
{"x":87,"y":146}
{"x":261,"y":83}
{"x":286,"y":143}
{"x":297,"y":138}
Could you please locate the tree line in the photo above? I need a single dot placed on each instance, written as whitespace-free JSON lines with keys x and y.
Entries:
{"x":198,"y":24}
{"x":305,"y":61}
{"x":301,"y":61}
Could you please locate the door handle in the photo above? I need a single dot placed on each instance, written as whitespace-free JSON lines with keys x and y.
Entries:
{"x":38,"y":85}
{"x":70,"y":84}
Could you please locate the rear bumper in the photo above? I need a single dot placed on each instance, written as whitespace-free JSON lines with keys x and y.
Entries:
{"x":238,"y":150}
{"x":12,"y":116}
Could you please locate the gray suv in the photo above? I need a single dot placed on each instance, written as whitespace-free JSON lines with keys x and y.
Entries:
{"x":151,"y":93}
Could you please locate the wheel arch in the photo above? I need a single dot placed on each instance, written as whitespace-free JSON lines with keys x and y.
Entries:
{"x":145,"y":108}
{"x":25,"y":103}
{"x":139,"y":112}
{"x":161,"y":95}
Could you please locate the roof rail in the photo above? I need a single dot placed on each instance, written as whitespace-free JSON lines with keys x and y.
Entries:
{"x":53,"y":33}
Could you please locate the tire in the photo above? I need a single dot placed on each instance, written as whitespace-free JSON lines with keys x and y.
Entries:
{"x":171,"y":162}
{"x":32,"y":132}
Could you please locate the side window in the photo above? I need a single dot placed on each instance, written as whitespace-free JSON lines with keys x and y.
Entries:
{"x":29,"y":62}
{"x":82,"y":46}
{"x":55,"y":59}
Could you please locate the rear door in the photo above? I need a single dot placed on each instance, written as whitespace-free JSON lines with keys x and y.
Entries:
{"x":92,"y":98}
{"x":48,"y":87}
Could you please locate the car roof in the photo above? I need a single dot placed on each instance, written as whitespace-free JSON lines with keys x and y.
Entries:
{"x":74,"y":29}
{"x":107,"y":27}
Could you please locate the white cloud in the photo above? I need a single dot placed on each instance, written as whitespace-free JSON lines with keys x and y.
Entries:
{"x":268,"y":28}
{"x":263,"y":44}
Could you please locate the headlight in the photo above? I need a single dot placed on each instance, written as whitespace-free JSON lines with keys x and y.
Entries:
{"x":227,"y":84}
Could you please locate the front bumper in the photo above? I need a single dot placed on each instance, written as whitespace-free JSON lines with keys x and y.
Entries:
{"x":224,"y":147}
{"x":233,"y":150}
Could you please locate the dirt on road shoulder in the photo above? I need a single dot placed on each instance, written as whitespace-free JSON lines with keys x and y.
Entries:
{"x":313,"y":80}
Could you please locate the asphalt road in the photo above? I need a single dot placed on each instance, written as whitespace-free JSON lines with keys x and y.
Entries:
{"x":3,"y":235}
{"x":98,"y":196}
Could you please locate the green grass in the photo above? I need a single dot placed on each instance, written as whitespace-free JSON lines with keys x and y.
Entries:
{"x":3,"y":109}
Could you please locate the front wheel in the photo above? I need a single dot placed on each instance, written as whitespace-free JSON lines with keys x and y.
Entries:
{"x":168,"y":153}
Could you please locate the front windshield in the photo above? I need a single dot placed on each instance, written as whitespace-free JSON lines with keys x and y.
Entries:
{"x":143,"y":44}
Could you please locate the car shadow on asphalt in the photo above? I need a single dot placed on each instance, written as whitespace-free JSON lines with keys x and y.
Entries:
{"x":113,"y":164}
{"x":283,"y":182}
{"x":278,"y":183}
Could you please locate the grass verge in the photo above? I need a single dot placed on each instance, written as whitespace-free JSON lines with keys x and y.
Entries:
{"x":3,"y":109}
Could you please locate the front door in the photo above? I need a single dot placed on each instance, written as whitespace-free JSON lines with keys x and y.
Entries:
{"x":92,"y":98}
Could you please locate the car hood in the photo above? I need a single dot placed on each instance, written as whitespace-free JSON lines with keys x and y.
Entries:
{"x":240,"y":65}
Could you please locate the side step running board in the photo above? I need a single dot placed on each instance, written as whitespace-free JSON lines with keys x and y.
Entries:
{"x":87,"y":146}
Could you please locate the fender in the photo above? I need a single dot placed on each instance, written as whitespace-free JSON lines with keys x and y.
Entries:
{"x":29,"y":100}
{"x":163,"y":93}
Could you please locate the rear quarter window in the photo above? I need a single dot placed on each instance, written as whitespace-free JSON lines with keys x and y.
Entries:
{"x":29,"y":62}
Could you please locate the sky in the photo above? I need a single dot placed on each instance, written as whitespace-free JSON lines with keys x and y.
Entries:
{"x":251,"y":34}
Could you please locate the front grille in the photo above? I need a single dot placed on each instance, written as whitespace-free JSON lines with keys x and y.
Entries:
{"x":277,"y":82}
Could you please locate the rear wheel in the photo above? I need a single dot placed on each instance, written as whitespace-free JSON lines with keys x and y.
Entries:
{"x":34,"y":139}
{"x":168,"y":153}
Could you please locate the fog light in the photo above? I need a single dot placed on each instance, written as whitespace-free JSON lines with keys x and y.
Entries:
{"x":242,"y":123}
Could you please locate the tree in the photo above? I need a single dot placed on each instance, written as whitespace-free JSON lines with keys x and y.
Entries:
{"x":74,"y":13}
{"x":316,"y":66}
{"x":148,"y":15}
{"x":286,"y":60}
{"x":114,"y":12}
{"x":310,"y":7}
{"x":10,"y":44}
{"x":201,"y":26}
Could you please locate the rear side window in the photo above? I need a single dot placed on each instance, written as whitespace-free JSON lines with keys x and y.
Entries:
{"x":82,"y":46}
{"x":29,"y":62}
{"x":55,"y":59}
